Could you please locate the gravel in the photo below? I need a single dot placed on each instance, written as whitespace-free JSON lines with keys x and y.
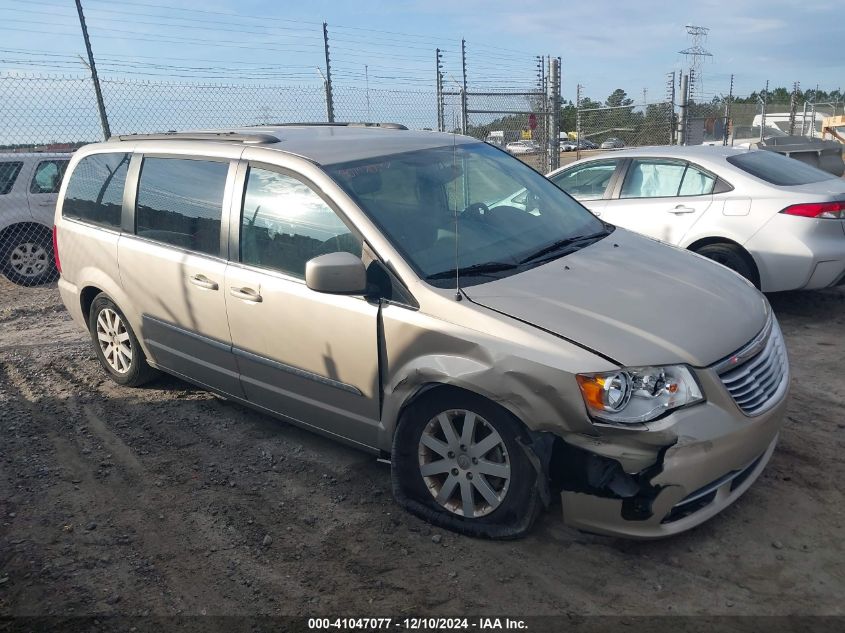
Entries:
{"x":173,"y":536}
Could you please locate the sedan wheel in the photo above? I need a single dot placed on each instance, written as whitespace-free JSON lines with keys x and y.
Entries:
{"x":464,"y":463}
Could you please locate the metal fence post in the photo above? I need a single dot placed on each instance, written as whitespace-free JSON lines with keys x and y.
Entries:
{"x":464,"y":114}
{"x":793,"y":107}
{"x":670,"y":98}
{"x":104,"y":121}
{"x":554,"y":114}
{"x":726,"y":131}
{"x":329,"y":97}
{"x":578,"y":122}
{"x":682,"y":111}
{"x":764,"y":103}
{"x":441,"y":126}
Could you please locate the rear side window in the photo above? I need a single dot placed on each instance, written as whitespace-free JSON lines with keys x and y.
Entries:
{"x":777,"y":169}
{"x":696,"y":183}
{"x":48,"y":176}
{"x":95,"y":189}
{"x":180,"y":202}
{"x":8,"y":174}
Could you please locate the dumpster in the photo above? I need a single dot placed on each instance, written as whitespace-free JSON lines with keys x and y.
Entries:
{"x":826,"y":155}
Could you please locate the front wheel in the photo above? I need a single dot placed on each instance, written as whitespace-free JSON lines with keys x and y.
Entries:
{"x":116,"y":345}
{"x":458,"y":463}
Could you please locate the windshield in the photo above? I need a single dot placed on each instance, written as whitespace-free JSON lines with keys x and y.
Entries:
{"x":777,"y":169}
{"x":505,"y":212}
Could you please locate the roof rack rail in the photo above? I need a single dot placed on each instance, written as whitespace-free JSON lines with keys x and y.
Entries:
{"x":249,"y":138}
{"x":386,"y":126}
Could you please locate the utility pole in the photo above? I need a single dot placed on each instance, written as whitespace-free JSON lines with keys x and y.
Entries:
{"x":329,"y":97}
{"x":104,"y":121}
{"x":645,"y":96}
{"x":441,"y":123}
{"x":726,"y":133}
{"x":554,"y":114}
{"x":682,"y":111}
{"x":464,"y":116}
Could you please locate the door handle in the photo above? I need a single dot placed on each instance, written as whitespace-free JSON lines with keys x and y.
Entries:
{"x":681,"y":209}
{"x":203,"y":282}
{"x":247,"y":294}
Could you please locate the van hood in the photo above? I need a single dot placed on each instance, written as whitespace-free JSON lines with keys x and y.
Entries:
{"x":634,"y":300}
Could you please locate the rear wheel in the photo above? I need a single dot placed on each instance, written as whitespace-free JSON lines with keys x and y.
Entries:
{"x":730,"y":256}
{"x":26,"y":255}
{"x":457,"y":462}
{"x":116,"y":345}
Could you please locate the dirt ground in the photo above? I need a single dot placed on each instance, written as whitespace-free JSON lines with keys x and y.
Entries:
{"x":166,"y":500}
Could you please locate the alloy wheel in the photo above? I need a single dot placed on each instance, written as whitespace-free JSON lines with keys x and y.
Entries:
{"x":114,"y":341}
{"x":29,"y":259}
{"x":464,"y":463}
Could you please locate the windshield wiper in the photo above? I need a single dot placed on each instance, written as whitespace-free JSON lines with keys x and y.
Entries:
{"x":561,"y":245}
{"x":475,"y":269}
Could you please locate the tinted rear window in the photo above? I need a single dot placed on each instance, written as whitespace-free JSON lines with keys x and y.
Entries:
{"x":778,"y":169}
{"x":95,"y":189}
{"x":8,"y":174}
{"x":180,"y":202}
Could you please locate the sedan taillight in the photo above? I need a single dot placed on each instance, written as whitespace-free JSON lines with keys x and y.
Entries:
{"x":833,"y":210}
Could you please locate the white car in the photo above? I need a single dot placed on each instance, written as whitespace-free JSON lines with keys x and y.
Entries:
{"x":29,"y":186}
{"x":523,"y":147}
{"x":778,"y":222}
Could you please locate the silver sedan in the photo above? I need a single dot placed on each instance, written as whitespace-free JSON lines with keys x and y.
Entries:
{"x":778,"y":222}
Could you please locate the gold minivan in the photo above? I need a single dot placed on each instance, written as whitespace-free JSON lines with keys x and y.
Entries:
{"x":385,"y":287}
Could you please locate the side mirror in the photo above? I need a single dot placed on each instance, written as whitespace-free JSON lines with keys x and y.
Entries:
{"x":336,"y":273}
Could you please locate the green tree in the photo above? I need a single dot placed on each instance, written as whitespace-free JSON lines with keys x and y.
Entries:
{"x":618,"y":98}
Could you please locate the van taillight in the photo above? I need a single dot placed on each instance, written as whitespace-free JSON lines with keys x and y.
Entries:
{"x":56,"y":248}
{"x":832,"y":210}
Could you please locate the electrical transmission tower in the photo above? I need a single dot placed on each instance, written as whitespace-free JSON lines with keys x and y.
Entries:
{"x":695,"y":54}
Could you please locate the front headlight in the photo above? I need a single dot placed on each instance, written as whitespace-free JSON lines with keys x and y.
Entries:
{"x":638,"y":394}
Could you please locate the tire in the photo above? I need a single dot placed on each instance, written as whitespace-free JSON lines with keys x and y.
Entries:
{"x":116,"y":345}
{"x":732,"y":257}
{"x":490,"y":464}
{"x":26,"y":255}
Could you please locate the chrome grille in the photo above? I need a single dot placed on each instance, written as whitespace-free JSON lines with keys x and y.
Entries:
{"x":757,"y":375}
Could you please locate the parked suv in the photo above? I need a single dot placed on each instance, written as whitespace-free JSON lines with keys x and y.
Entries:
{"x":364,"y":282}
{"x":29,"y":186}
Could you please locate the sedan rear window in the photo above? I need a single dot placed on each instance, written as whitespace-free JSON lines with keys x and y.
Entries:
{"x":778,"y":169}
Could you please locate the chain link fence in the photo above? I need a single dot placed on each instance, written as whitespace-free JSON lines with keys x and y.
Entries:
{"x":625,"y":126}
{"x":45,"y":118}
{"x":515,"y":121}
{"x":58,"y":114}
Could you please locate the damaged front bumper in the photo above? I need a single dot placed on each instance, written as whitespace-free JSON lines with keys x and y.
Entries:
{"x":673,"y":475}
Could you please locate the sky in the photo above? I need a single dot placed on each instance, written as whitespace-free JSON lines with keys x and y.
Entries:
{"x":604,"y":44}
{"x":382,"y":58}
